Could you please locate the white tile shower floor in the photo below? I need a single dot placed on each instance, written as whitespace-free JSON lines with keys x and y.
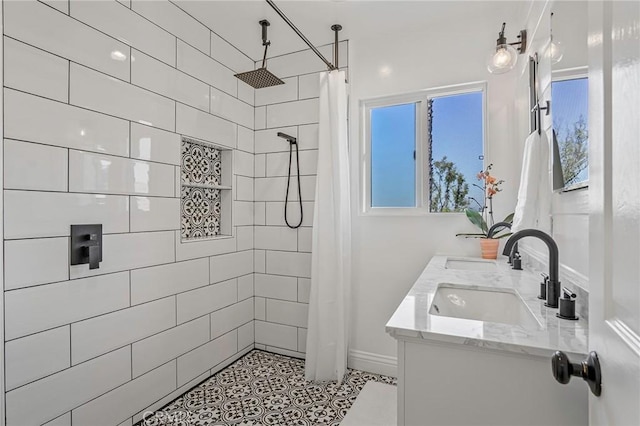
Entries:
{"x":262,"y":388}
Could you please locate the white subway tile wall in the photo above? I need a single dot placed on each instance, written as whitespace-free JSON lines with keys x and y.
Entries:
{"x":203,"y":67}
{"x":111,"y":18}
{"x":43,"y":27}
{"x":224,"y":52}
{"x":161,"y":78}
{"x":63,"y":125}
{"x":65,"y":419}
{"x":35,"y":70}
{"x":259,"y":261}
{"x":36,"y":167}
{"x":97,"y":97}
{"x":37,"y":356}
{"x":151,"y":144}
{"x":160,"y":348}
{"x":42,"y":307}
{"x":99,"y":92}
{"x":68,"y":389}
{"x":167,"y":398}
{"x":128,"y":398}
{"x":176,"y":21}
{"x":210,"y":354}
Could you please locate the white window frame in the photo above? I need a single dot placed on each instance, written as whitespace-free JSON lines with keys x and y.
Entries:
{"x":569,"y":74}
{"x":566,"y":74}
{"x":420,"y":98}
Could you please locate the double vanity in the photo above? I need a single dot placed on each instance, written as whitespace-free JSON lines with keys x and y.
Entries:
{"x":475,"y":345}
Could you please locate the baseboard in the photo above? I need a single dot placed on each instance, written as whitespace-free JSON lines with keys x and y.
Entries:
{"x":373,"y":363}
{"x":358,"y":360}
{"x":281,"y":351}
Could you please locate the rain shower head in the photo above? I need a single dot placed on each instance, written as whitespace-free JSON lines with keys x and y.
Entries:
{"x":289,"y":139}
{"x":261,"y":77}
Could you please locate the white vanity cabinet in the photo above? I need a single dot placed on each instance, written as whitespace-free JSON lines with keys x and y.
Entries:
{"x":454,"y":371}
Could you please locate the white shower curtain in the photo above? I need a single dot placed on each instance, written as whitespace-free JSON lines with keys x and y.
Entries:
{"x":328,"y":326}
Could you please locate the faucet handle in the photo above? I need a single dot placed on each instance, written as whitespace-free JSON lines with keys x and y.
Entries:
{"x":543,"y":287}
{"x":516,"y":262}
{"x":568,"y":294}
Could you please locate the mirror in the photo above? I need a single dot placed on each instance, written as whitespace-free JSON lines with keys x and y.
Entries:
{"x":569,"y":94}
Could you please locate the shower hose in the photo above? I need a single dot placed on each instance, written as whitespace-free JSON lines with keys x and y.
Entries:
{"x":286,"y":199}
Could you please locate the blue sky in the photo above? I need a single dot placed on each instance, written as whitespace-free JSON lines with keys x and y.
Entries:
{"x":570,"y":101}
{"x":457,"y":133}
{"x":393,"y":167}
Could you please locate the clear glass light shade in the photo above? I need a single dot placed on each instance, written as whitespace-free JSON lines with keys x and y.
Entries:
{"x":557,"y":51}
{"x":502,"y":60}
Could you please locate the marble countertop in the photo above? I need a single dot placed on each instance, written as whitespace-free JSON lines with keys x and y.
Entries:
{"x":412,"y":319}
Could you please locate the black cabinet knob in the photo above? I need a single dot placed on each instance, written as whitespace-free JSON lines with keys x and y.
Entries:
{"x":589,"y":369}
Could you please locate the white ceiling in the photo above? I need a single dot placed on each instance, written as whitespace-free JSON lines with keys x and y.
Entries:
{"x":237,"y":21}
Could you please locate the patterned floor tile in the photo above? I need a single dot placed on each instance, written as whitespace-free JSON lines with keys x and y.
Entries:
{"x":264,"y":389}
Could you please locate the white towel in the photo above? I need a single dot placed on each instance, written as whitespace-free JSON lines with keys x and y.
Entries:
{"x":534,"y":196}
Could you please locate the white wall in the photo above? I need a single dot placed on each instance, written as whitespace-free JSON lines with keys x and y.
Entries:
{"x":159,"y":315}
{"x":390,"y":252}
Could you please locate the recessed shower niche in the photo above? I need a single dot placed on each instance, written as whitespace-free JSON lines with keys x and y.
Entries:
{"x":205,"y":190}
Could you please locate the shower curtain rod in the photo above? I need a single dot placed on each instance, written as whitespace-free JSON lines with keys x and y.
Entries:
{"x":297,"y":31}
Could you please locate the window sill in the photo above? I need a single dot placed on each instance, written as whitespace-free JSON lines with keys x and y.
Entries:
{"x":576,"y":186}
{"x":409,"y":211}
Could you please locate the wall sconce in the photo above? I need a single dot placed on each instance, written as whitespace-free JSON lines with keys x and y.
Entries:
{"x":505,"y":56}
{"x":557,"y":50}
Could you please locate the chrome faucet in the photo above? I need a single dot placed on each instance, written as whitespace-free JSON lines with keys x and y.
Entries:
{"x":553,"y":286}
{"x":494,"y":230}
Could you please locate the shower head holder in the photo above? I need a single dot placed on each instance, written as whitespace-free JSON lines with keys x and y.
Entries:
{"x":264,"y":23}
{"x":290,"y":139}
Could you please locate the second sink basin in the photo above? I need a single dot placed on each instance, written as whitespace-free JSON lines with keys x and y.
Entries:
{"x":478,"y":303}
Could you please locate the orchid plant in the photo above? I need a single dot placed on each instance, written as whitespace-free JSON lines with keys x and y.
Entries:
{"x":483,"y":219}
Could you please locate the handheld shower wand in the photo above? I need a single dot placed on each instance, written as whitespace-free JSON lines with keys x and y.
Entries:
{"x":292,"y":141}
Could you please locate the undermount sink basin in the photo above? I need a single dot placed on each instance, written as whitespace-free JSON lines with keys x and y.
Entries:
{"x":470,"y":264}
{"x":488,"y":304}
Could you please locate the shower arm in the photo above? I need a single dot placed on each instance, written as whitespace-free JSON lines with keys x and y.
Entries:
{"x":297,"y":31}
{"x":264,"y":58}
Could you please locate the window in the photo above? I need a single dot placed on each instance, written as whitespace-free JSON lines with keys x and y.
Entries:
{"x":205,"y":190}
{"x":423,"y":151}
{"x":570,"y":113}
{"x":393,"y":148}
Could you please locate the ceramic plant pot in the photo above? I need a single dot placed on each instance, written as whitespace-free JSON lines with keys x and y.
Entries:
{"x":489,"y":248}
